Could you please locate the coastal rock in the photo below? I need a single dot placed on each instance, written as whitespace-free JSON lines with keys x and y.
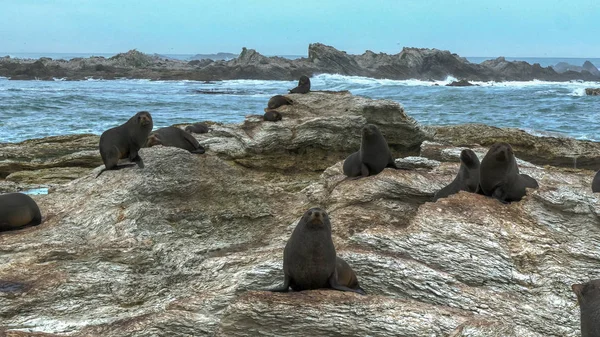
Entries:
{"x":461,"y":83}
{"x":592,"y":91}
{"x":591,"y":68}
{"x":182,"y":246}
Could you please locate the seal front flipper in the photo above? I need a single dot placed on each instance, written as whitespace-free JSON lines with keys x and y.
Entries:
{"x":500,"y":194}
{"x":135,"y":157}
{"x":364,"y":170}
{"x":115,"y":168}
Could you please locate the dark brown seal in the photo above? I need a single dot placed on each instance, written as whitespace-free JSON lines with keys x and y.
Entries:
{"x":303,"y":86}
{"x":272,"y":116}
{"x":499,"y":175}
{"x":373,"y":156}
{"x":197,"y":128}
{"x":588,"y":297}
{"x":596,"y":183}
{"x":467,"y":178}
{"x":18,"y":210}
{"x":309,"y":259}
{"x":277,"y":101}
{"x":346,"y":276}
{"x":124,"y":141}
{"x":175,"y":137}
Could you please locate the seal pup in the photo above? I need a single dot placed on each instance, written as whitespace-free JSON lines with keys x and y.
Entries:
{"x":499,"y":175}
{"x":467,"y":178}
{"x":596,"y":183}
{"x":303,"y":86}
{"x":272,"y":116}
{"x":346,"y":276}
{"x":373,"y":156}
{"x":277,"y":101}
{"x":309,"y":259}
{"x":18,"y":210}
{"x":197,"y":128}
{"x":124,"y":141}
{"x":175,"y":137}
{"x":588,"y":297}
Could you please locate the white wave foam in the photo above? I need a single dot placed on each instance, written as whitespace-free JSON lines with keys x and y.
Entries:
{"x":579,"y":92}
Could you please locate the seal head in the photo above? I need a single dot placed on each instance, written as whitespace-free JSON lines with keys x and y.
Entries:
{"x":467,"y":178}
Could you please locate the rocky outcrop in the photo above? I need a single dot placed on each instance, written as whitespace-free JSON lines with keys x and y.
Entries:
{"x":461,"y":83}
{"x":417,"y":63}
{"x":588,"y":66}
{"x":592,"y":91}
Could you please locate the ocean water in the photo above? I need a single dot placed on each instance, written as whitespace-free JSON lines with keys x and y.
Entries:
{"x":33,"y":109}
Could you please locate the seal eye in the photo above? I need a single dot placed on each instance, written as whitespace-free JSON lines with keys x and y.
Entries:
{"x":309,"y":213}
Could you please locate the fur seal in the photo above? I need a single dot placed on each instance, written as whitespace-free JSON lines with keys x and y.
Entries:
{"x":303,"y":86}
{"x":18,"y":210}
{"x":467,"y":178}
{"x":499,"y":175}
{"x":346,"y":276}
{"x":124,"y":141}
{"x":309,"y":259}
{"x":272,"y":116}
{"x":175,"y":137}
{"x":277,"y":101}
{"x":373,"y":156}
{"x":197,"y":128}
{"x":596,"y":183}
{"x":588,"y":297}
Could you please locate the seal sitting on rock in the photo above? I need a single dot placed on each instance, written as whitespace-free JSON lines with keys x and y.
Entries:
{"x":18,"y":210}
{"x":124,"y":141}
{"x":197,"y":128}
{"x":303,"y":86}
{"x":309,"y":258}
{"x":596,"y":183}
{"x":467,"y":178}
{"x":499,"y":175}
{"x":373,"y":156}
{"x":588,"y":297}
{"x":175,"y":137}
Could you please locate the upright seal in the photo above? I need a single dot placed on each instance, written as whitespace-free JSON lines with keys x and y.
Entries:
{"x":467,"y":178}
{"x":309,"y":259}
{"x":197,"y":128}
{"x":373,"y":156}
{"x":277,"y":101}
{"x":588,"y":297}
{"x":499,"y":175}
{"x":303,"y":86}
{"x":596,"y":183}
{"x":175,"y":137}
{"x":124,"y":141}
{"x":18,"y":210}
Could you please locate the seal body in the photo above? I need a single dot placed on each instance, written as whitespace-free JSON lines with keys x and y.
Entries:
{"x":175,"y":137}
{"x":272,"y":116}
{"x":346,"y":276}
{"x":197,"y":128}
{"x":588,"y":297}
{"x":309,"y":259}
{"x":467,"y":178}
{"x":303,"y":86}
{"x":499,"y":175}
{"x":277,"y":101}
{"x":373,"y":156}
{"x":18,"y":210}
{"x":596,"y":183}
{"x":124,"y":141}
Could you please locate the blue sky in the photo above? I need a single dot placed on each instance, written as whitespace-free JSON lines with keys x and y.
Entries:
{"x":548,"y":28}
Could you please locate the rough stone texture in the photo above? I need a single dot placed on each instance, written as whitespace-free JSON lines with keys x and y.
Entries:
{"x":592,"y":91}
{"x":419,"y":63}
{"x":180,"y":247}
{"x":566,"y":152}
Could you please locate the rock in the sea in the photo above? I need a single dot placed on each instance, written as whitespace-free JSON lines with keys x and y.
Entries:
{"x":461,"y":83}
{"x":591,"y":68}
{"x":592,"y":91}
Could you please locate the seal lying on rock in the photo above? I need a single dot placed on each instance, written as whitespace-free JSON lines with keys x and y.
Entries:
{"x":272,"y":116}
{"x":596,"y":183}
{"x":303,"y":86}
{"x":499,"y":175}
{"x":277,"y":101}
{"x":124,"y":141}
{"x":18,"y":210}
{"x":309,"y":259}
{"x":175,"y":137}
{"x":373,"y":156}
{"x":197,"y":128}
{"x":588,"y":297}
{"x":467,"y":178}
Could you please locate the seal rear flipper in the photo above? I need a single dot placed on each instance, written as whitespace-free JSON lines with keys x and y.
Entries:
{"x":199,"y":150}
{"x":334,"y":285}
{"x":119,"y":167}
{"x":392,"y":163}
{"x":500,"y":195}
{"x":529,"y":181}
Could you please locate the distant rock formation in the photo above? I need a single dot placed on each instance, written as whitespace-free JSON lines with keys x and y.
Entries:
{"x":214,"y":57}
{"x":410,"y":63}
{"x":592,"y":91}
{"x":461,"y":83}
{"x":591,"y":68}
{"x":562,"y":67}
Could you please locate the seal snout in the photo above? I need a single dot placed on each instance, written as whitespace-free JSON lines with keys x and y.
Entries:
{"x":316,"y":216}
